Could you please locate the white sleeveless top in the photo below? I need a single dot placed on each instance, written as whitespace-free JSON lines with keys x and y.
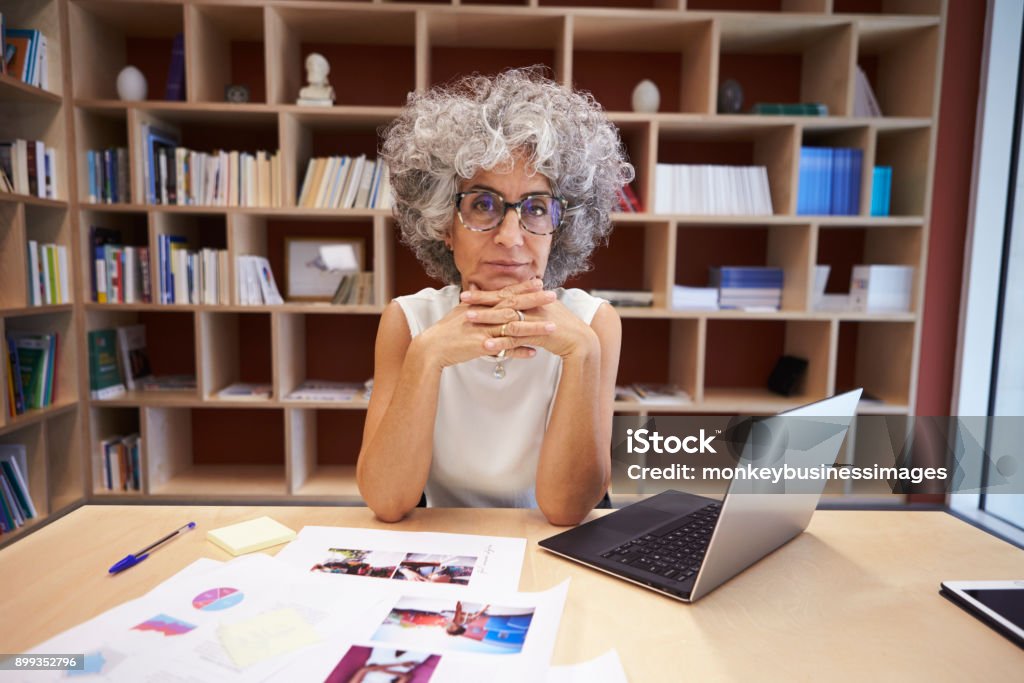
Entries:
{"x":488,"y":432}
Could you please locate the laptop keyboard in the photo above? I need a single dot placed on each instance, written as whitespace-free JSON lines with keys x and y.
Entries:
{"x":674,"y":551}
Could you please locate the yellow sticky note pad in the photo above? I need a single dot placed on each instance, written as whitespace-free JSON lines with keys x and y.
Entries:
{"x":268,"y":635}
{"x":247,"y":537}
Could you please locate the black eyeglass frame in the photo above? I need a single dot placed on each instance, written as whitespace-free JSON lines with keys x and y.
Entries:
{"x":518,"y":206}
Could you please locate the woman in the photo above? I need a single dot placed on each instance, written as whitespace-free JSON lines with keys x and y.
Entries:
{"x":497,"y":389}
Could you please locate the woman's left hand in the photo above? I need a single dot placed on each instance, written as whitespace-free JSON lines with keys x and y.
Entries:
{"x":571,"y":336}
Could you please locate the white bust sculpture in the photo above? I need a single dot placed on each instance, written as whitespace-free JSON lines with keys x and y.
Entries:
{"x":318,"y":92}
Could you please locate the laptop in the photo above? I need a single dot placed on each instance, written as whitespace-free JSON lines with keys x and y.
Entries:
{"x":684,"y":545}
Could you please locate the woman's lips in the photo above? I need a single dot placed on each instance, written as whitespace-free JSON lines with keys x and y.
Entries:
{"x":506,"y":265}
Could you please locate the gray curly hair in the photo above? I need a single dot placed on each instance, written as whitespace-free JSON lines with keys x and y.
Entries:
{"x":480,"y":122}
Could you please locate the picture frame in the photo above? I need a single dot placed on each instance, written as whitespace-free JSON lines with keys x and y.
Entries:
{"x":304,"y":281}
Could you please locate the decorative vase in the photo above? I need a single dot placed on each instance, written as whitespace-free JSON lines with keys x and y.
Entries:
{"x":646,"y":97}
{"x":730,"y":97}
{"x":131,"y":84}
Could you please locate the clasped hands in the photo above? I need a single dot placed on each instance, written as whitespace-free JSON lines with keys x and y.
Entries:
{"x":487,"y":323}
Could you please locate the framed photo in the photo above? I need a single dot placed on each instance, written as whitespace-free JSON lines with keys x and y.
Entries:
{"x":304,"y":277}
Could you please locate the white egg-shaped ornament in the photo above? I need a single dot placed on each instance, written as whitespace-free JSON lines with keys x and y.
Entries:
{"x":646,"y":97}
{"x":131,"y":84}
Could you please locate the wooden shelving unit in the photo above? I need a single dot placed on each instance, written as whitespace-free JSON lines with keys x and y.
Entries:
{"x":199,"y":447}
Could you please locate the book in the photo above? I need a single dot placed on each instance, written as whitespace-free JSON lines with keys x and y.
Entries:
{"x":881,"y":288}
{"x":131,"y":350}
{"x":622,"y":297}
{"x":35,"y":354}
{"x":14,"y":461}
{"x":865,"y":103}
{"x":104,"y":376}
{"x":790,"y":108}
{"x":322,"y":390}
{"x":175,"y":89}
{"x":246,"y":391}
{"x":248,"y":537}
{"x":650,"y":392}
{"x":881,"y":190}
{"x":168,"y":383}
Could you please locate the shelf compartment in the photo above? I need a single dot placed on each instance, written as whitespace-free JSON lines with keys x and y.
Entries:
{"x":893,"y":58}
{"x":658,"y":351}
{"x":488,"y":43}
{"x":170,"y":345}
{"x":201,"y":231}
{"x":323,"y":446}
{"x":843,"y":248}
{"x":97,"y":130}
{"x":31,"y":121}
{"x":779,"y":60}
{"x":107,"y":36}
{"x":65,"y":379}
{"x":774,"y":147}
{"x":234,"y":347}
{"x":66,"y":477}
{"x":733,"y":364}
{"x":220,"y":452}
{"x":45,"y":17}
{"x":133,"y":228}
{"x":372,"y":53}
{"x":788,"y":247}
{"x":13,"y":256}
{"x":857,"y":137}
{"x":106,"y":423}
{"x":908,"y":152}
{"x":302,"y":355}
{"x":225,"y":46}
{"x":860,"y":346}
{"x":612,"y":54}
{"x":315,"y":134}
{"x":46,"y":226}
{"x":633,"y":259}
{"x":33,"y":439}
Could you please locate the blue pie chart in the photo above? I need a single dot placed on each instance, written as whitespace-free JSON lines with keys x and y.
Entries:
{"x":217,"y":599}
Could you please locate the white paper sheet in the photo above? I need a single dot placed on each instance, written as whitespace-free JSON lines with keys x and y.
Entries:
{"x":442,"y":634}
{"x":604,"y":669}
{"x":172,"y":633}
{"x":485,"y":563}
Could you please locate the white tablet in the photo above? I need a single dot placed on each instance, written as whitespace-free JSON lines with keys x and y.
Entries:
{"x":1000,"y":604}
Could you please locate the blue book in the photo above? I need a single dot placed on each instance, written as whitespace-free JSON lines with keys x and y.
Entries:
{"x":881,"y":179}
{"x":15,"y":369}
{"x":804,"y":189}
{"x":825,"y":156}
{"x":839,"y":182}
{"x":155,"y":141}
{"x":888,"y":190}
{"x":176,"y":70}
{"x":856,"y":161}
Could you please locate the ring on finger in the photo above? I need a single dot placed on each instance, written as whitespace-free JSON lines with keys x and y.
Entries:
{"x":522,"y":316}
{"x":503,"y":330}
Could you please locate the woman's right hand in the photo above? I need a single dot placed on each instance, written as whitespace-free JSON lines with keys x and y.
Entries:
{"x":456,"y":338}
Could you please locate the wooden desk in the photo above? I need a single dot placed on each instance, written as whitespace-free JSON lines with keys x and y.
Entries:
{"x":853,"y":598}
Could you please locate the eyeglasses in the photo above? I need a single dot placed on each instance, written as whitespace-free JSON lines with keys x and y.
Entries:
{"x":539,"y":213}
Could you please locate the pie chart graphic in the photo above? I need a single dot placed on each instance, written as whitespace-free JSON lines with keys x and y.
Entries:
{"x":217,"y":599}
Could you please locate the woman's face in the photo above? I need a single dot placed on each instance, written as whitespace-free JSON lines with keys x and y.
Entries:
{"x":507,"y":254}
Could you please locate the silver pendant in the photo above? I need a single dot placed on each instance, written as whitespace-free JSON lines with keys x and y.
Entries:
{"x":499,"y":371}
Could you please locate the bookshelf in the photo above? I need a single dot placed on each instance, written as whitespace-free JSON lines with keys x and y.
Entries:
{"x":198,"y":446}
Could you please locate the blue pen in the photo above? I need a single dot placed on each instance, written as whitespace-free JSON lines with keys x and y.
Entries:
{"x":135,"y":558}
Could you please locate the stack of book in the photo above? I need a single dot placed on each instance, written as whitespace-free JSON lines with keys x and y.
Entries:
{"x":28,"y":167}
{"x":16,"y":506}
{"x":748,"y":287}
{"x":109,"y":175}
{"x":120,"y":463}
{"x":30,"y":378}
{"x":790,"y":109}
{"x":700,"y":298}
{"x":629,"y":202}
{"x":629,"y":298}
{"x":712,"y":190}
{"x":881,"y":190}
{"x":829,"y":181}
{"x":176,"y":175}
{"x":120,"y":273}
{"x":246,"y":391}
{"x":322,"y":390}
{"x":354,"y":289}
{"x":256,"y":284}
{"x":118,"y":359}
{"x":881,"y":288}
{"x":23,"y":55}
{"x":191,"y":277}
{"x":652,"y":393}
{"x":345,"y":182}
{"x":49,"y":274}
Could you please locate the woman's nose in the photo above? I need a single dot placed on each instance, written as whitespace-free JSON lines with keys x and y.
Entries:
{"x":509,"y":233}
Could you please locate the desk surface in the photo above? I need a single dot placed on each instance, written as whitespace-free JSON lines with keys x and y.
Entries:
{"x":854,"y":597}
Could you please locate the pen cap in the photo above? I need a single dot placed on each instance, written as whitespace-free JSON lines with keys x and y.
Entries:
{"x":127,"y":562}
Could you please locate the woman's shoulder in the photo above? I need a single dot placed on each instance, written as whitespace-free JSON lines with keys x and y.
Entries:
{"x":583,"y":305}
{"x":427,"y":306}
